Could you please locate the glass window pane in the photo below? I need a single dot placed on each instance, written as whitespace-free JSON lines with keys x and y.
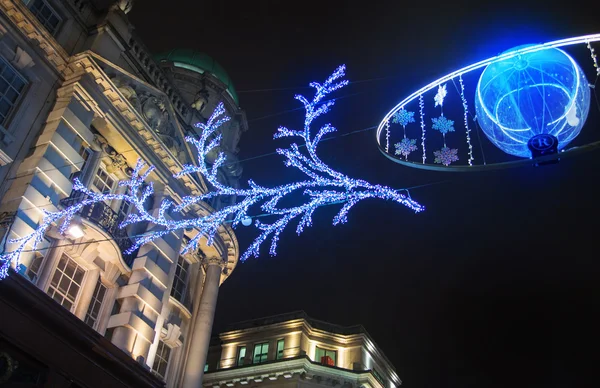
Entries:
{"x":79,"y":275}
{"x":63,"y":287}
{"x":55,"y":279}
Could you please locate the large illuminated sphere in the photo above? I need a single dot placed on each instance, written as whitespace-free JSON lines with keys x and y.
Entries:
{"x":542,"y":92}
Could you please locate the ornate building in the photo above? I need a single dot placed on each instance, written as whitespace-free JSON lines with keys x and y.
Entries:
{"x":80,"y":95}
{"x":294,"y":350}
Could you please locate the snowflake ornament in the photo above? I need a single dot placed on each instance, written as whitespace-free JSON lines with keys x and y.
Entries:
{"x":446,"y":156}
{"x":441,"y":94}
{"x":442,"y":124}
{"x":403,"y":117}
{"x":405,"y":147}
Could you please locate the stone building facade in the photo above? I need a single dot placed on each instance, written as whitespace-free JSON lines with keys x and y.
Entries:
{"x":294,"y":350}
{"x":81,"y":96}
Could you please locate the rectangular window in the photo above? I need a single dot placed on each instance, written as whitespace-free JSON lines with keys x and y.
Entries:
{"x":124,"y":209}
{"x":280,"y":344}
{"x":12,"y":85}
{"x":161,"y":359}
{"x":325,"y":356}
{"x":261,"y":352}
{"x":66,"y":282}
{"x":103,"y":182}
{"x":42,"y":10}
{"x":181,"y":278}
{"x":91,"y":317}
{"x":206,"y":367}
{"x":34,"y":268}
{"x":85,"y":154}
{"x":241,"y":356}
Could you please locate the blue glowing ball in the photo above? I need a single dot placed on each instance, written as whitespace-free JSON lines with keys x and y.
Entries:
{"x":542,"y":92}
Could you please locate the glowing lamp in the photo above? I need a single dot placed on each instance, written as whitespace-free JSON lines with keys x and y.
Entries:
{"x":75,"y":231}
{"x":247,"y":221}
{"x":539,"y":93}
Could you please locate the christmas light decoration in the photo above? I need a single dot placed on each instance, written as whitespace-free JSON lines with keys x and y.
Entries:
{"x":422,"y":115}
{"x":442,"y":124}
{"x":594,"y":57}
{"x":403,"y":117}
{"x":552,"y":82}
{"x":387,"y":137}
{"x":323,"y":186}
{"x":405,"y":147}
{"x":440,"y":95}
{"x":466,"y":119}
{"x":446,"y":156}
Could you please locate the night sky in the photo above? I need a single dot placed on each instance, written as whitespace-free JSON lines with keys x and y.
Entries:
{"x":496,"y":283}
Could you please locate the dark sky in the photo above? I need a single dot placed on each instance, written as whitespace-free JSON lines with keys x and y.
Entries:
{"x":496,"y":283}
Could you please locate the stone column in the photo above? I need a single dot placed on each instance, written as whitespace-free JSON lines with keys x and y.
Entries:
{"x":200,"y":334}
{"x":87,"y":291}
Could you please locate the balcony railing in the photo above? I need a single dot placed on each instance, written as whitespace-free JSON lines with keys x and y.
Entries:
{"x":103,"y":215}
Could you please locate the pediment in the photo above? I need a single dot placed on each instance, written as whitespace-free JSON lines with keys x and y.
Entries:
{"x":154,"y":107}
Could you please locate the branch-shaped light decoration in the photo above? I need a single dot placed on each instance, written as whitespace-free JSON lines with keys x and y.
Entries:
{"x":323,"y":186}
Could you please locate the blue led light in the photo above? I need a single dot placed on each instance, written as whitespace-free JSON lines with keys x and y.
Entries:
{"x":322,"y":186}
{"x":541,"y":92}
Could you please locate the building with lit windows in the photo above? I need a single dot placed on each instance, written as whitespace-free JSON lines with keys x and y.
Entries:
{"x":294,"y":350}
{"x":81,"y":96}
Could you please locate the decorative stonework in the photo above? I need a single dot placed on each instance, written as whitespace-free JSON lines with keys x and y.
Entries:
{"x":117,"y":160}
{"x":171,"y":335}
{"x":20,"y":15}
{"x":156,"y":74}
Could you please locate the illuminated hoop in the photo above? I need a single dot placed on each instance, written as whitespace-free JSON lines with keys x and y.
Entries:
{"x":457,"y":75}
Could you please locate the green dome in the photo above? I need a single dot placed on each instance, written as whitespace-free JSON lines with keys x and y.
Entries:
{"x":199,"y":62}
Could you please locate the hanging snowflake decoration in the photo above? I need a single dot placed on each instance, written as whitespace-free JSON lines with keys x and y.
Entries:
{"x":446,"y":156}
{"x":405,"y":147}
{"x":403,"y":117}
{"x":321,"y":186}
{"x":442,"y":124}
{"x":440,"y":95}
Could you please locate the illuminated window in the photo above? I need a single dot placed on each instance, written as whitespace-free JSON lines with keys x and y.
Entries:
{"x":280,"y":344}
{"x":12,"y":86}
{"x":241,"y":355}
{"x":91,"y":317}
{"x":181,"y":278}
{"x":45,"y":14}
{"x":206,"y":367}
{"x":103,"y":182}
{"x":325,"y":357}
{"x":66,"y":282}
{"x":161,"y":359}
{"x":261,"y":352}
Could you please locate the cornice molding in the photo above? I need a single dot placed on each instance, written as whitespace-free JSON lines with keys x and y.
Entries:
{"x":299,"y":368}
{"x":18,"y":13}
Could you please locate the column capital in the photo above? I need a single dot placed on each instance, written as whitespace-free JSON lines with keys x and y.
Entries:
{"x":214,"y":260}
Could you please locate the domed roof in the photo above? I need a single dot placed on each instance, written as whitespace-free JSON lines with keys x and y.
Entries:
{"x":200,"y":62}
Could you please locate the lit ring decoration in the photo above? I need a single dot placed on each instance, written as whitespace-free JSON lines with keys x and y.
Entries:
{"x":384,"y":124}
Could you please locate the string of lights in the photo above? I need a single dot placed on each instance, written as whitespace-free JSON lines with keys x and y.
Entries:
{"x":594,"y":57}
{"x":323,"y":186}
{"x":466,"y":116}
{"x":422,"y":116}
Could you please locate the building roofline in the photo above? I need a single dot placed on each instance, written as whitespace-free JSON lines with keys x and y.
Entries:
{"x":314,"y":323}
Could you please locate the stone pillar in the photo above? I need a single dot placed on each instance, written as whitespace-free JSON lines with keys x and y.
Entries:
{"x":200,"y":334}
{"x":87,"y":291}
